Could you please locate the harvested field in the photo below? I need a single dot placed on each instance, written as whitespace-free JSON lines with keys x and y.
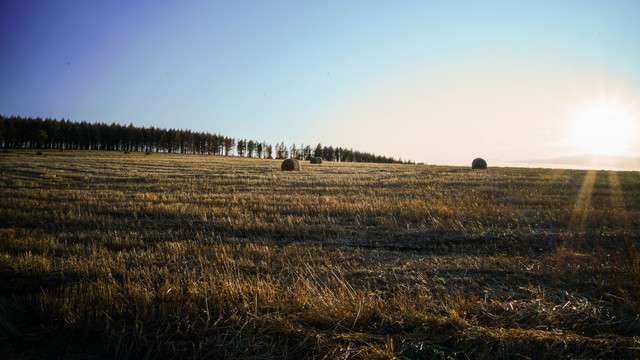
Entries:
{"x":106,"y":255}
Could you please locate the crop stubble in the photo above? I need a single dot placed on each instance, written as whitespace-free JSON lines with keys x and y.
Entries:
{"x":183,"y":256}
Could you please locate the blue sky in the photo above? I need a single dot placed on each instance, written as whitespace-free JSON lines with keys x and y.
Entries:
{"x":434,"y":81}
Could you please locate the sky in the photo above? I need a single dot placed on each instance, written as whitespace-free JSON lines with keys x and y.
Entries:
{"x":519,"y":83}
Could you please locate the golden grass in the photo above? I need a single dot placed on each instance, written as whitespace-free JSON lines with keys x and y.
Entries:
{"x":106,"y":255}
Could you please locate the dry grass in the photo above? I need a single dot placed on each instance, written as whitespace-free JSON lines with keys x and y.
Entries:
{"x":104,"y":255}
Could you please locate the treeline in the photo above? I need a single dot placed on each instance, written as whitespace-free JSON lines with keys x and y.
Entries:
{"x":36,"y":133}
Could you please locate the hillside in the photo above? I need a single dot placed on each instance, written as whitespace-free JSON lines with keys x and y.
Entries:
{"x":107,"y":255}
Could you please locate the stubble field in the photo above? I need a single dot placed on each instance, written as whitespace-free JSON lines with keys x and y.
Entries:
{"x":105,"y":255}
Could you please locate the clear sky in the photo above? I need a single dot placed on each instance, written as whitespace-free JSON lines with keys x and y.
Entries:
{"x":520,"y":83}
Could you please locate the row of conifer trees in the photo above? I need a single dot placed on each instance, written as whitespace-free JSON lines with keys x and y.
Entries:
{"x":37,"y":133}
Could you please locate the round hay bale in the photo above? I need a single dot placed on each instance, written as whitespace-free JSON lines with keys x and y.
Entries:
{"x":38,"y":152}
{"x":290,"y":165}
{"x":316,"y":160}
{"x":478,"y":163}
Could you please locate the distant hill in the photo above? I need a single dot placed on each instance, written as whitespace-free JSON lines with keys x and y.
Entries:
{"x":591,"y":161}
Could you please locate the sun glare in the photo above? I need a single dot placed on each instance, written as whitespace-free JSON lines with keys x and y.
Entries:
{"x":604,"y":130}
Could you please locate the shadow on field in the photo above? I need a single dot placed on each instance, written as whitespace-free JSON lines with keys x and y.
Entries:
{"x":25,"y":284}
{"x":26,"y":331}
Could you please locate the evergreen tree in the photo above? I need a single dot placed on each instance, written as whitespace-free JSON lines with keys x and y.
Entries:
{"x":307,"y":152}
{"x":259,"y":149}
{"x":269,"y":151}
{"x":250,"y":148}
{"x":241,"y":147}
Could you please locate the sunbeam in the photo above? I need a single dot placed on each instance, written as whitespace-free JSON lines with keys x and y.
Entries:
{"x":578,"y":222}
{"x":616,"y":198}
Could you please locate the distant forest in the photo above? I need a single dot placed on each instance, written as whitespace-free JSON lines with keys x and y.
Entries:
{"x":35,"y":133}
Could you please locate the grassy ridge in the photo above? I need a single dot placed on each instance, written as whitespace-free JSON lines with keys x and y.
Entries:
{"x":107,"y":255}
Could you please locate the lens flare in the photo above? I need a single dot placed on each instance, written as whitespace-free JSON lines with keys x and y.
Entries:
{"x":604,"y":130}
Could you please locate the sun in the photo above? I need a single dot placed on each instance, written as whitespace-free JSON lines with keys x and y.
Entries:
{"x":604,"y":130}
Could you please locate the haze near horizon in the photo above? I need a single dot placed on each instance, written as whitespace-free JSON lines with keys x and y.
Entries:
{"x":518,"y":83}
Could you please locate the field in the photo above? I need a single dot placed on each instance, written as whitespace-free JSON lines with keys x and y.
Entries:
{"x":108,"y":255}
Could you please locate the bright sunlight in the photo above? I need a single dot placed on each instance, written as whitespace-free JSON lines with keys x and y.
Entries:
{"x":604,"y":130}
